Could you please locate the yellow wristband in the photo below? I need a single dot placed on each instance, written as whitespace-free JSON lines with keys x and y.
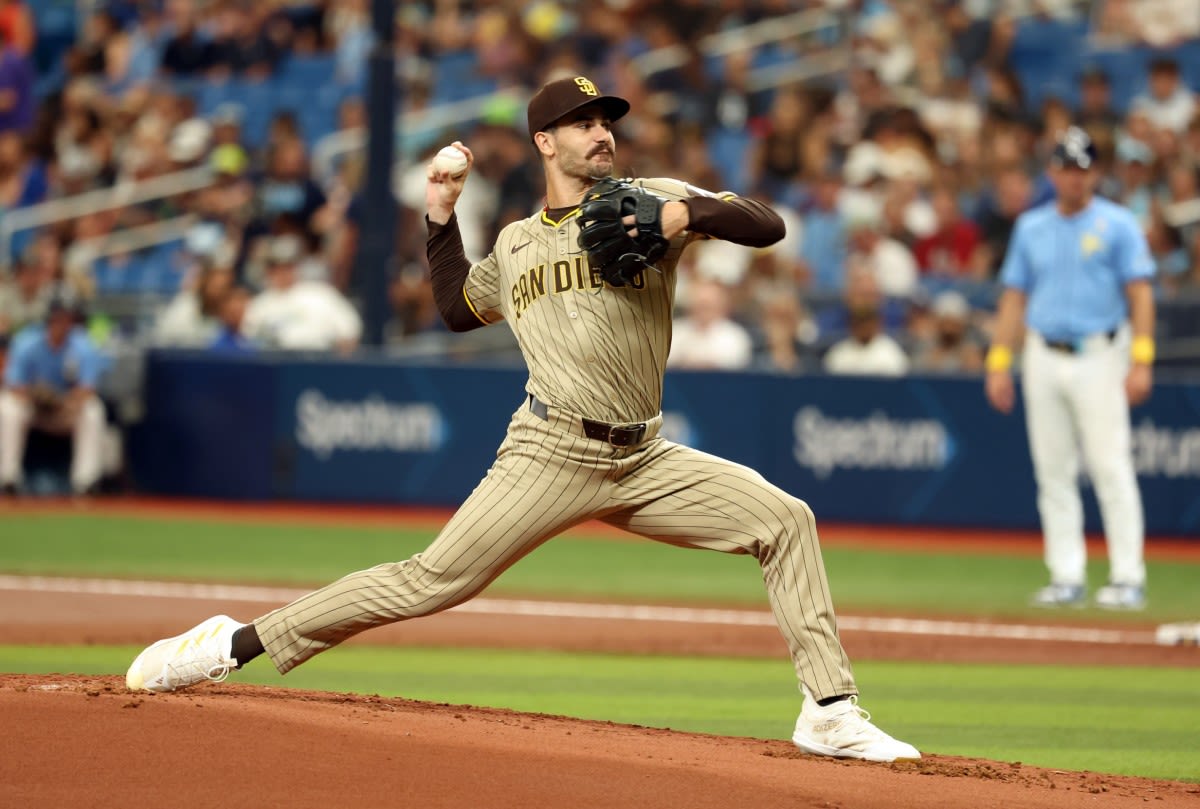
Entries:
{"x":1142,"y":350}
{"x":999,"y":358}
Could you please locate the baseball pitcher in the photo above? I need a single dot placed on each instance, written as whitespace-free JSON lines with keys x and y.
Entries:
{"x":587,"y":286}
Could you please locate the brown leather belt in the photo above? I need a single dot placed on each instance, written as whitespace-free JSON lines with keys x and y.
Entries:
{"x":619,"y":435}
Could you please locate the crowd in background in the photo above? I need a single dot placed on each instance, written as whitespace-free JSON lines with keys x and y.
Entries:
{"x":900,"y":172}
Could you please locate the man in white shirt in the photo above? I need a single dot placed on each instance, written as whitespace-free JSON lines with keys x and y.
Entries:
{"x":706,"y":337}
{"x":1169,"y":104}
{"x":891,"y":263}
{"x":868,"y":350}
{"x":298,"y":315}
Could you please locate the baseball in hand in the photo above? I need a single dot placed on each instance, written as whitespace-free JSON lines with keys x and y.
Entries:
{"x":451,"y":160}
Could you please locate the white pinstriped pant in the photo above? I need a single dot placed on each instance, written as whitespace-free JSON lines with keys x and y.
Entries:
{"x":1076,"y":403}
{"x":547,"y":479}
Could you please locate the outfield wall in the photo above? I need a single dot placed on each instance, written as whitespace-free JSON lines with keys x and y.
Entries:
{"x":919,"y":450}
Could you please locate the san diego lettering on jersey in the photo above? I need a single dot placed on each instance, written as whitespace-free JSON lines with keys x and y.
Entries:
{"x":562,"y":276}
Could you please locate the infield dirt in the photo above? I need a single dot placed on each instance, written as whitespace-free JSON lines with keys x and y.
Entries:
{"x":75,"y":741}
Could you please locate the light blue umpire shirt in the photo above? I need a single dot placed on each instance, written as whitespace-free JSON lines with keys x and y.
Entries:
{"x":1074,"y":268}
{"x":32,"y":361}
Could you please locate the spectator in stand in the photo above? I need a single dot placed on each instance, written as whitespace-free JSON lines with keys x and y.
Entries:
{"x":100,"y":31}
{"x":1157,"y":23}
{"x":348,"y":25}
{"x":226,"y":121}
{"x":1004,"y":100}
{"x":1179,"y":188}
{"x":787,"y":333}
{"x":1190,"y":148}
{"x":190,"y":320}
{"x":1169,"y":104}
{"x":189,"y":144}
{"x":16,"y":26}
{"x":1012,"y":196}
{"x":867,"y":350}
{"x":1095,"y":101}
{"x":706,"y":337}
{"x":891,"y":263}
{"x":1171,"y":260}
{"x":777,"y":159}
{"x":50,"y":384}
{"x":1135,"y":174}
{"x":298,"y":315}
{"x":823,"y":250}
{"x":1055,"y":117}
{"x":951,"y":249}
{"x":231,"y":338}
{"x":16,"y":89}
{"x":24,"y":296}
{"x":288,"y":188}
{"x":188,"y":52}
{"x":241,"y":46}
{"x":23,"y":179}
{"x":145,"y":42}
{"x":953,"y":348}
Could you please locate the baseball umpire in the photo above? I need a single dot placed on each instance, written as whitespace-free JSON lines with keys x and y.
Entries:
{"x":587,"y":286}
{"x":1078,"y":274}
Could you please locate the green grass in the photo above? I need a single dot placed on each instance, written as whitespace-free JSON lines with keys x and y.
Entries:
{"x":986,"y":585}
{"x":1124,"y":720}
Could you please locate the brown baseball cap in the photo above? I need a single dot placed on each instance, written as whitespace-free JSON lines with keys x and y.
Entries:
{"x":563,"y":96}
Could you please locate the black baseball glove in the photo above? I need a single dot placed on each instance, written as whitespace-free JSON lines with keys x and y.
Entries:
{"x":611,"y":250}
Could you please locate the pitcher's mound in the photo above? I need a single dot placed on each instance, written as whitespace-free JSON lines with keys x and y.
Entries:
{"x":75,"y":741}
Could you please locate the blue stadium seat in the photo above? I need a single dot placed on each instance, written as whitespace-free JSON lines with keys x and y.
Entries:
{"x":250,"y":94}
{"x":456,"y":76}
{"x":156,"y":271}
{"x":310,"y":71}
{"x":255,"y":124}
{"x":162,"y":269}
{"x":727,"y":149}
{"x":1127,"y":69}
{"x":54,"y":21}
{"x":1047,"y":56}
{"x":211,"y":94}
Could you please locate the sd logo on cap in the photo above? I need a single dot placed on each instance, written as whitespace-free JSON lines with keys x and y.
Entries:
{"x":564,"y":96}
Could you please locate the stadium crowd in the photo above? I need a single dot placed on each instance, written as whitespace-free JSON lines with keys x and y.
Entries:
{"x":900,"y":159}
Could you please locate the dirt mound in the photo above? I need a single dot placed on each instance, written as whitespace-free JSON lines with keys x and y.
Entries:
{"x":85,"y":741}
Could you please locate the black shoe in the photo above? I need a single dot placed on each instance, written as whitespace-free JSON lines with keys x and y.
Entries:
{"x":9,"y":490}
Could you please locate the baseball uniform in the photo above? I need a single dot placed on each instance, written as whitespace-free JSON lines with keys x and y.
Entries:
{"x":1073,"y":271}
{"x":583,"y":444}
{"x":37,"y":368}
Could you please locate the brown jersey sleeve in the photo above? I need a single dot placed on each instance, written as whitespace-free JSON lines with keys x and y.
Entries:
{"x":734,"y":219}
{"x":448,"y":268}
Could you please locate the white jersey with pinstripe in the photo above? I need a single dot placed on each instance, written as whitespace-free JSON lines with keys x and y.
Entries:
{"x":598,"y":352}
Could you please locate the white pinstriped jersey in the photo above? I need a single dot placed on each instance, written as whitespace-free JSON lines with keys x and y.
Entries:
{"x":591,"y":349}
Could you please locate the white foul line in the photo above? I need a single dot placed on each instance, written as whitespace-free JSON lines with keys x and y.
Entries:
{"x":567,"y":609}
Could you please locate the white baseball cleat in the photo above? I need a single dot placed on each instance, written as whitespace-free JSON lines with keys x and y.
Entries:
{"x":844,"y":730}
{"x":1121,"y":597}
{"x":202,"y":653}
{"x":1060,"y":595}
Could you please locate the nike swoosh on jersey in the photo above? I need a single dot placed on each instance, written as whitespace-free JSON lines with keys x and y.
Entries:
{"x":519,"y":246}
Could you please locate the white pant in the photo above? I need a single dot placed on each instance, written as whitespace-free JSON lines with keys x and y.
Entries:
{"x":86,"y":428}
{"x":1077,"y":402}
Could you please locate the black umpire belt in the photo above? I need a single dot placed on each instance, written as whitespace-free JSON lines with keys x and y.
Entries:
{"x":619,"y":435}
{"x":1074,"y":346}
